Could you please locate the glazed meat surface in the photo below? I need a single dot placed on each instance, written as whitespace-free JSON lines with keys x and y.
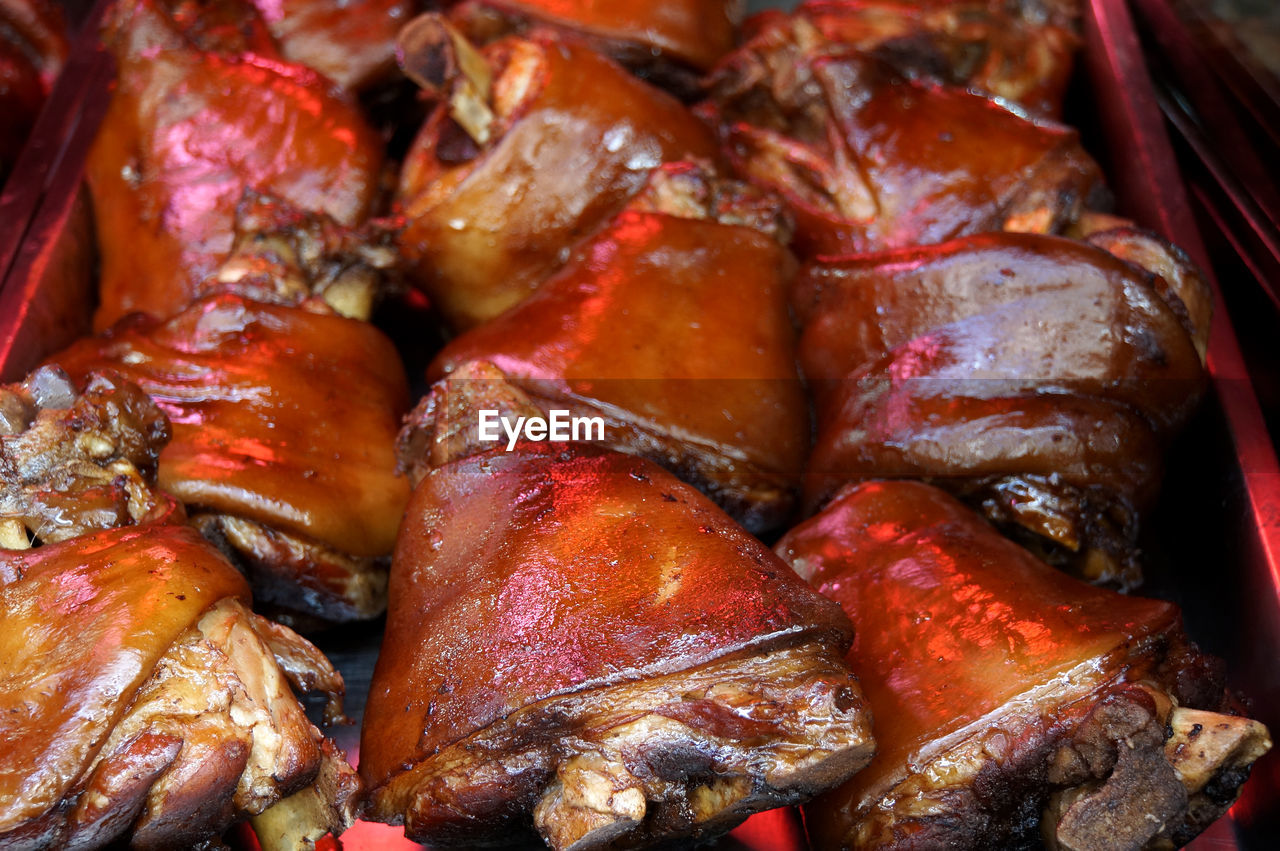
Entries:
{"x":870,"y":160}
{"x":671,"y":324}
{"x":284,"y":424}
{"x":582,"y":645}
{"x":1012,"y":702}
{"x":1038,"y":377}
{"x":557,"y":139}
{"x":140,"y":699}
{"x":187,"y":132}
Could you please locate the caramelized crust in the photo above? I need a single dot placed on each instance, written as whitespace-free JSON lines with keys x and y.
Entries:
{"x":870,"y":160}
{"x":687,"y":755}
{"x":1010,"y":700}
{"x":671,"y":326}
{"x":560,"y":138}
{"x":580,"y":644}
{"x":248,"y":386}
{"x":187,"y":132}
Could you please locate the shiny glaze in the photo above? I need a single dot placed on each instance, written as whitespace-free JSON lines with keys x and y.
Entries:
{"x":583,"y":144}
{"x":679,"y":326}
{"x":953,"y":623}
{"x":523,"y":575}
{"x":914,"y":162}
{"x":85,"y":622}
{"x":1077,"y":311}
{"x":352,"y":42}
{"x":186,"y":133}
{"x":280,"y":415}
{"x":697,"y":32}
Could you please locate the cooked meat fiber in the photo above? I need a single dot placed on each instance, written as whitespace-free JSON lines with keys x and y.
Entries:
{"x":140,"y":699}
{"x":671,"y":325}
{"x":1013,"y":703}
{"x":532,"y":145}
{"x":582,"y":646}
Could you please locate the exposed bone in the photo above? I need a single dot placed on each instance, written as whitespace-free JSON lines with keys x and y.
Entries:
{"x":13,"y":534}
{"x":1205,"y":744}
{"x":299,"y":821}
{"x":436,"y":56}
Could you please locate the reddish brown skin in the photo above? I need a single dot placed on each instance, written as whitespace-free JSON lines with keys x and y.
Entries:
{"x":853,"y":310}
{"x":85,"y":622}
{"x":940,"y":162}
{"x":680,"y":324}
{"x":186,"y":134}
{"x":548,"y":182}
{"x":520,"y":576}
{"x":280,"y":415}
{"x":952,"y":621}
{"x":697,"y":32}
{"x":352,"y":42}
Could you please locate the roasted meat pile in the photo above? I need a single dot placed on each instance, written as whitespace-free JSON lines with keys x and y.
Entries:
{"x":671,"y":287}
{"x":140,"y":698}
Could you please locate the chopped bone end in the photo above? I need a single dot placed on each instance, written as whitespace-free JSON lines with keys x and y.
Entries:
{"x":76,"y":461}
{"x":1057,"y":697}
{"x":582,"y":645}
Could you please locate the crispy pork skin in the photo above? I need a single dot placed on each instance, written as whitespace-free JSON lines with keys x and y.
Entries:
{"x":534,"y":144}
{"x":284,"y":425}
{"x":187,"y":132}
{"x":140,"y":699}
{"x":582,"y":646}
{"x":869,"y":159}
{"x":1013,"y":703}
{"x":671,"y":325}
{"x":1037,"y":377}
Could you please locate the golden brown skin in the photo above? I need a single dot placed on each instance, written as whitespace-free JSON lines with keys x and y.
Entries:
{"x":33,"y":46}
{"x":140,"y":699}
{"x":670,"y":43}
{"x":548,"y":607}
{"x":1036,"y":376}
{"x":672,"y":325}
{"x":1002,"y":688}
{"x":1019,"y":51}
{"x":284,"y":423}
{"x":570,"y":137}
{"x":870,"y":160}
{"x":186,"y":134}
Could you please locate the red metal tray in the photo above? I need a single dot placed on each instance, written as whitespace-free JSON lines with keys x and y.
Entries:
{"x":1213,"y":544}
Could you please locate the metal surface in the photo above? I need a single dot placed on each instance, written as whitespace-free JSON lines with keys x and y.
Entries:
{"x":1214,"y":543}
